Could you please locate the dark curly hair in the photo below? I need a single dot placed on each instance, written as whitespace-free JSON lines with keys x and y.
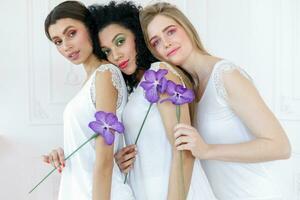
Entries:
{"x":125,"y":14}
{"x":69,"y":9}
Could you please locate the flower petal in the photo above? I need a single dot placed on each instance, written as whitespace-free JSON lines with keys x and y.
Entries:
{"x":147,"y":85}
{"x":162,"y":85}
{"x":161,"y":73}
{"x":100,"y":116}
{"x":110,"y":119}
{"x":152,"y":95}
{"x":150,"y":75}
{"x":170,"y":88}
{"x":96,"y":127}
{"x":108,"y":137}
{"x":180,"y":89}
{"x":118,"y":127}
{"x":179,"y":101}
{"x":189,"y":95}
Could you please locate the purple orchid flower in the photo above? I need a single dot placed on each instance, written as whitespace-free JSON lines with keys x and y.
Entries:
{"x":105,"y":124}
{"x":154,"y":83}
{"x":178,"y":94}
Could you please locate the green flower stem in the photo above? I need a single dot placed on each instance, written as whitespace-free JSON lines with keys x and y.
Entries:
{"x":182,"y":188}
{"x":94,"y":136}
{"x":137,"y":138}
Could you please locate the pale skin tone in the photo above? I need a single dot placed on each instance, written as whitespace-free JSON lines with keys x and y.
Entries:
{"x":117,"y":52}
{"x":73,"y":42}
{"x":270,"y":143}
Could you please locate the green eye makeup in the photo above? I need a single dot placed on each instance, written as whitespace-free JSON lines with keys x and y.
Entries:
{"x":120,"y":40}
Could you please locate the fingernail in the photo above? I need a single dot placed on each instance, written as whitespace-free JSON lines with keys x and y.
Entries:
{"x":63,"y":164}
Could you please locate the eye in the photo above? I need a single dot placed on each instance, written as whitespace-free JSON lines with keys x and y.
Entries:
{"x":106,"y":51}
{"x":57,"y":42}
{"x":71,"y":34}
{"x":155,"y":43}
{"x":171,"y":31}
{"x":119,"y":41}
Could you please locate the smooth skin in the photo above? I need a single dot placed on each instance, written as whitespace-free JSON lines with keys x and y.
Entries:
{"x":73,"y":42}
{"x":118,"y":44}
{"x":172,"y":44}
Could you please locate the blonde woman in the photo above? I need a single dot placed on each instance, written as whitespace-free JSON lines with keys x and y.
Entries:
{"x":235,"y":132}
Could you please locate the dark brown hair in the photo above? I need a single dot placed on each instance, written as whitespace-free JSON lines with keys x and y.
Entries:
{"x":68,"y":9}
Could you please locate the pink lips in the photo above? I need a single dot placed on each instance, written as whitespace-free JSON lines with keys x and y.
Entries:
{"x":172,"y":52}
{"x":74,"y":55}
{"x":123,"y":64}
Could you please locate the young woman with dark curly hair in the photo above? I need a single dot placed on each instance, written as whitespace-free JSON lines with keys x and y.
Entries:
{"x":155,"y":173}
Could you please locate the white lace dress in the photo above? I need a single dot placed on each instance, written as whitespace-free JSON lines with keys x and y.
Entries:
{"x":150,"y":174}
{"x":77,"y":177}
{"x":218,"y":124}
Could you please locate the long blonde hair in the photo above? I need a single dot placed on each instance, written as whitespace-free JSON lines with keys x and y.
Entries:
{"x":166,"y":9}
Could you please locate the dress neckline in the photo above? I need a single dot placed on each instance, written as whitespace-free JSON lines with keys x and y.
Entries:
{"x":209,"y":80}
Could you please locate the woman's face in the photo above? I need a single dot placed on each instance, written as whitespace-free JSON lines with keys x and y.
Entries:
{"x":72,"y":40}
{"x":118,"y":44}
{"x":169,"y":40}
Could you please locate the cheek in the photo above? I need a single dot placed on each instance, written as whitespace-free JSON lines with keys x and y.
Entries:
{"x":161,"y":52}
{"x":181,"y":36}
{"x":111,"y":60}
{"x":84,"y":40}
{"x":130,"y":48}
{"x":61,"y":51}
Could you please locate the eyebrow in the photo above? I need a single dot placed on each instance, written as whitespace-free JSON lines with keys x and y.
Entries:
{"x":64,"y":32}
{"x":166,"y":28}
{"x":112,"y":40}
{"x":116,"y":36}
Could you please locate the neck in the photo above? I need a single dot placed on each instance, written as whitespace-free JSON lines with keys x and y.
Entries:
{"x":199,"y":65}
{"x":91,"y":64}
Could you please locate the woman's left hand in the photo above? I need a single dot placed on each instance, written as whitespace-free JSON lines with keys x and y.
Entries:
{"x":188,"y":138}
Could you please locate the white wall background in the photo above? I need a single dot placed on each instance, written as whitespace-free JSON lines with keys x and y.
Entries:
{"x":36,"y":82}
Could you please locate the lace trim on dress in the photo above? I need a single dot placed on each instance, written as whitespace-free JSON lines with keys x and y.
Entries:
{"x":116,"y":81}
{"x":171,"y":69}
{"x":218,"y":82}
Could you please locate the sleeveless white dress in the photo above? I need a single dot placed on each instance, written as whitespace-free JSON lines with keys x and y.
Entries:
{"x":150,"y":174}
{"x":77,"y":177}
{"x":218,"y":124}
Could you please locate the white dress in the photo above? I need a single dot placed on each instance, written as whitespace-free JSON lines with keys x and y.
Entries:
{"x":77,"y":177}
{"x":218,"y":124}
{"x":150,"y":174}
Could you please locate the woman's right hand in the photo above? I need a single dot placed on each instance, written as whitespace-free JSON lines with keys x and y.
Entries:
{"x":126,"y":157}
{"x":56,"y":158}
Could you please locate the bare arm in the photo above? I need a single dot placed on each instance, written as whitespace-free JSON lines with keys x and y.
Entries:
{"x":107,"y":102}
{"x":270,"y":143}
{"x":168,"y":114}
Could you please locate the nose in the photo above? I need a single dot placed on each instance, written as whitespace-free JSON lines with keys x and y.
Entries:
{"x":115,"y":54}
{"x":166,"y":42}
{"x":67,"y":45}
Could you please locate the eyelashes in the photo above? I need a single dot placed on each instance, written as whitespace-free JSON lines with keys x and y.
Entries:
{"x":70,"y":34}
{"x":169,"y":32}
{"x":120,"y":41}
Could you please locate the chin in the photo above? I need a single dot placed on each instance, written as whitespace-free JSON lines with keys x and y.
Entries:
{"x":176,"y":61}
{"x":129,"y":71}
{"x":76,"y":62}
